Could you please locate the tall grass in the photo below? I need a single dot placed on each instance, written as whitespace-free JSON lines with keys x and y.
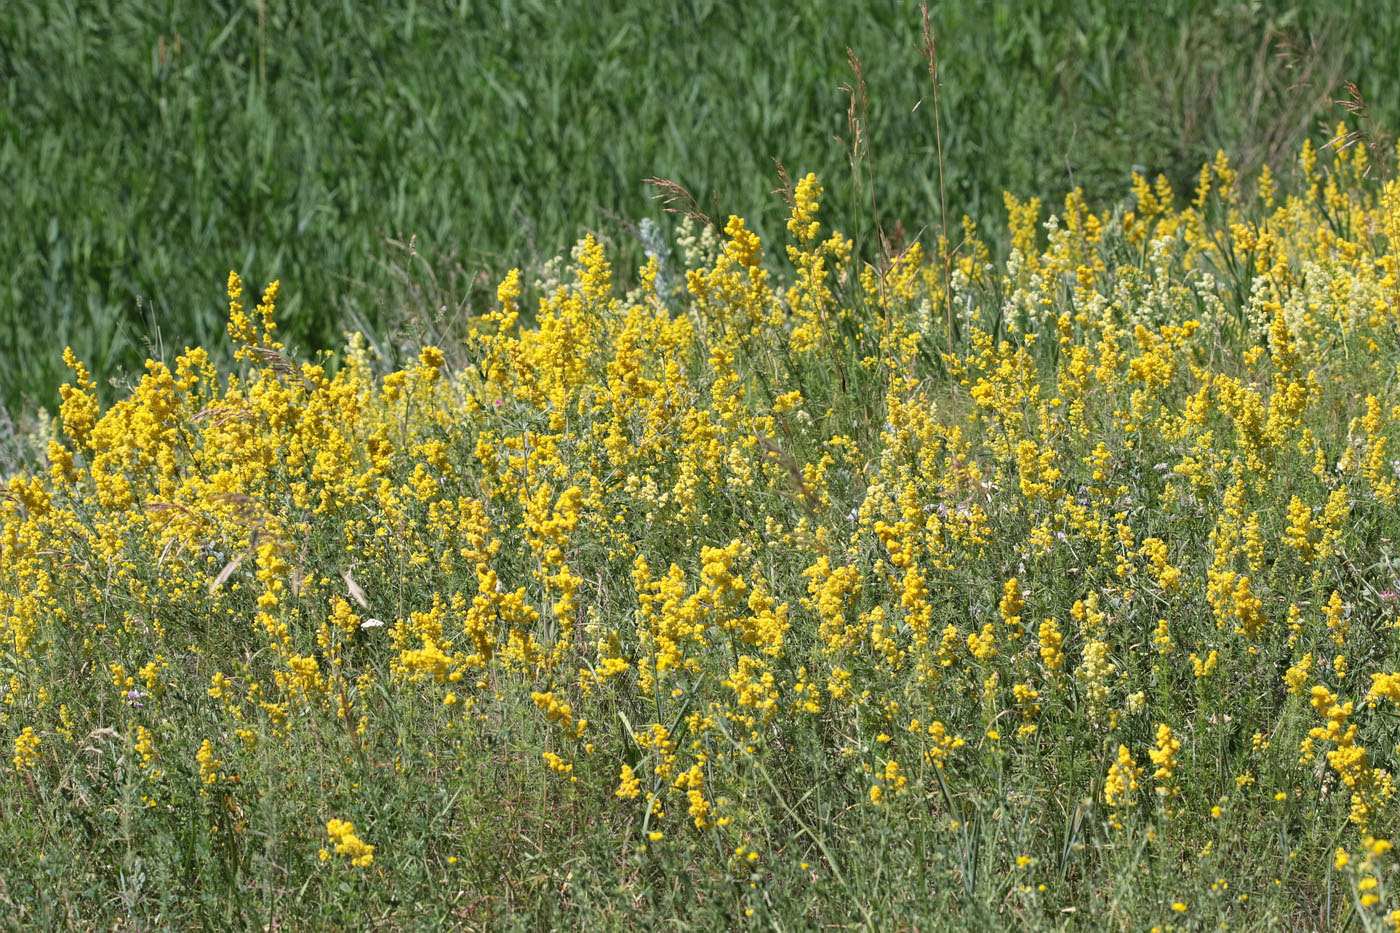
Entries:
{"x":147,"y":147}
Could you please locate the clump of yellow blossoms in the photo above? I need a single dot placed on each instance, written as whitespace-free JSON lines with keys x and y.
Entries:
{"x":1122,"y":780}
{"x":26,"y":749}
{"x":342,"y":835}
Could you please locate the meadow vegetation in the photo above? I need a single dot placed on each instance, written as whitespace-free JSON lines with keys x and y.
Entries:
{"x":146,"y":147}
{"x":772,"y":587}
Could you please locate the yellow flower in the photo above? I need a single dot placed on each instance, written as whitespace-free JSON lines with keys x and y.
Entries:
{"x":1122,"y":779}
{"x":26,"y":749}
{"x":1164,"y":757}
{"x":1050,"y":642}
{"x":556,"y":763}
{"x":209,"y":766}
{"x":342,"y":834}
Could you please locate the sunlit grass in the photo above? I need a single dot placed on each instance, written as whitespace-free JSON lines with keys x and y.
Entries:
{"x":145,"y":147}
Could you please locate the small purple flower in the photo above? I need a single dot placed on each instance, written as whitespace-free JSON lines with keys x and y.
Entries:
{"x":133,"y":697}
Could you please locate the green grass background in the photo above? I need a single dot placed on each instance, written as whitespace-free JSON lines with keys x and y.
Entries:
{"x":148,"y":147}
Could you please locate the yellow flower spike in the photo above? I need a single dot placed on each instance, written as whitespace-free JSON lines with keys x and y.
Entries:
{"x":802,"y":225}
{"x":1121,"y":782}
{"x":1050,"y":641}
{"x":1164,"y":757}
{"x":744,"y":247}
{"x":265,"y":311}
{"x":26,"y":749}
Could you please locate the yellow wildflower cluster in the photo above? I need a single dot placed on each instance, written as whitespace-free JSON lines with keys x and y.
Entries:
{"x":732,"y":550}
{"x":26,"y":749}
{"x":342,"y":834}
{"x":1122,"y":780}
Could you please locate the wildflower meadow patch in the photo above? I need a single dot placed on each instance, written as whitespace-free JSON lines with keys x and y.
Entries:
{"x":770,"y":587}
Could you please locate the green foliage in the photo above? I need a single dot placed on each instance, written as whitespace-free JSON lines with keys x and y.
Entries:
{"x":146,"y":148}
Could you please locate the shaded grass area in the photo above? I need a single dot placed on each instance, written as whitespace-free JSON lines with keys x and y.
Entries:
{"x":146,"y":148}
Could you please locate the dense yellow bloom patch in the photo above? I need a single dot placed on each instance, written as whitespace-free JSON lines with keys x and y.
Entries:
{"x":342,"y":834}
{"x":660,"y":549}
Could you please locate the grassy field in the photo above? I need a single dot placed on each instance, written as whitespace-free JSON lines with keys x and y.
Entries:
{"x":147,"y":147}
{"x":774,"y":589}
